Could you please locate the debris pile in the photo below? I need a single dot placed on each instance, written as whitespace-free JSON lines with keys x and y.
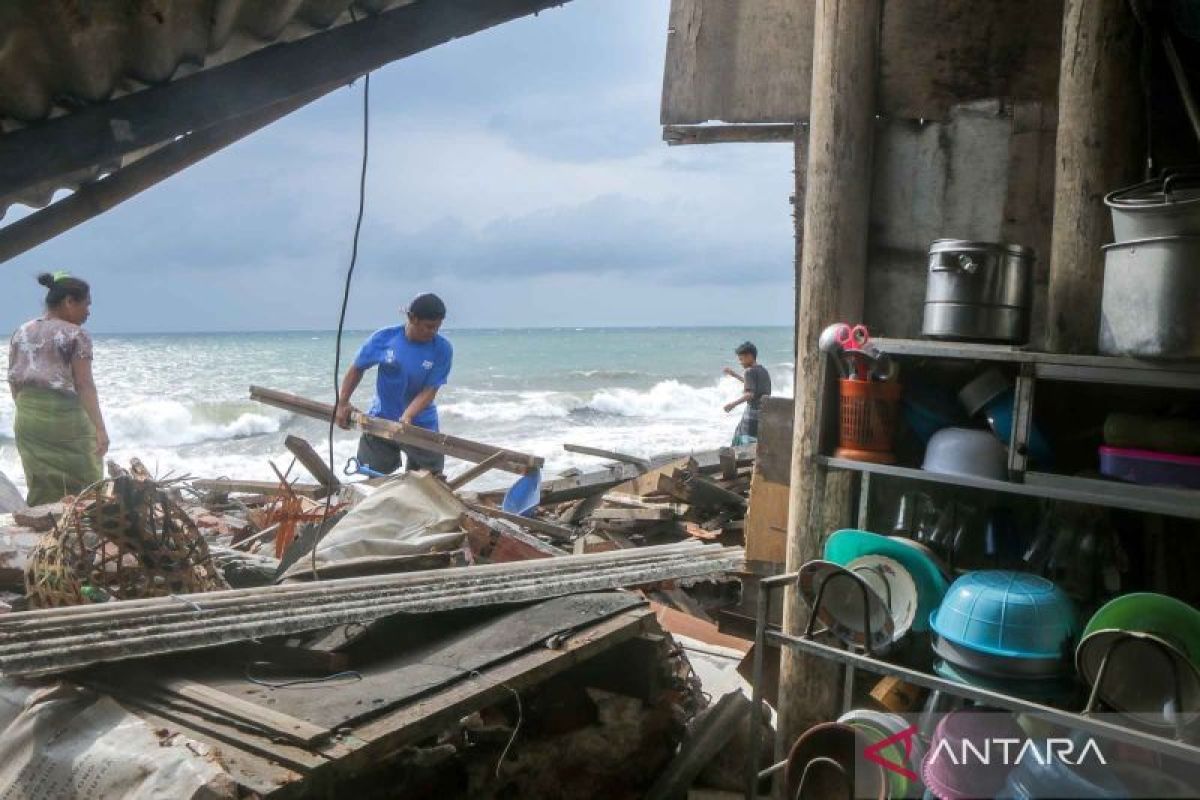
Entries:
{"x":490,"y":644}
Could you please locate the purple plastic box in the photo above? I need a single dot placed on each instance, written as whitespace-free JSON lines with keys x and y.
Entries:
{"x":1150,"y":467}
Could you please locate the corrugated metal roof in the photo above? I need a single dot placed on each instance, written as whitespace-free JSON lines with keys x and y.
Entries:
{"x":57,"y":56}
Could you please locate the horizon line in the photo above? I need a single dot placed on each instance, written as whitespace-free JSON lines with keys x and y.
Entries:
{"x":448,"y":330}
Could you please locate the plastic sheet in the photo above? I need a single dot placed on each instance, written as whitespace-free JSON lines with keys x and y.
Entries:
{"x":61,"y":742}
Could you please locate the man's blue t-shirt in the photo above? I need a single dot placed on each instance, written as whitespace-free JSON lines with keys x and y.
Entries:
{"x":405,"y":368}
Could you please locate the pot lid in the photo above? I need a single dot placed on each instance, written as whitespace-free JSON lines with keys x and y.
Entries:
{"x":1150,"y":194}
{"x":967,"y":245}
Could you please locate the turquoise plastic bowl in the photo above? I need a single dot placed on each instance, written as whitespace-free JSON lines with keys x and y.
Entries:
{"x":1010,"y":614}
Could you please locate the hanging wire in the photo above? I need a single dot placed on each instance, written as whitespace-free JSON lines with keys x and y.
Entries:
{"x":337,"y":353}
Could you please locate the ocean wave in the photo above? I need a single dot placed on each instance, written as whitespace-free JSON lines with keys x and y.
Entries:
{"x":669,"y":399}
{"x":169,"y":423}
{"x":610,"y":374}
{"x":543,"y":405}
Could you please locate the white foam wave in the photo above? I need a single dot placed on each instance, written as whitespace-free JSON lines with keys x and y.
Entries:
{"x":169,"y":423}
{"x":669,"y":399}
{"x":530,"y":405}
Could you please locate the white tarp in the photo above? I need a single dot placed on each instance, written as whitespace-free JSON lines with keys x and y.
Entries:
{"x":61,"y":742}
{"x":412,"y":514}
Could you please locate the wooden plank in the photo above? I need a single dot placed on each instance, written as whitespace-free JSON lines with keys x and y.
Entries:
{"x":101,"y":133}
{"x":649,"y":483}
{"x":634,"y":514}
{"x":729,"y":466}
{"x":312,"y":461}
{"x":633,"y":501}
{"x":93,"y":199}
{"x":430,"y":716}
{"x":775,"y":439}
{"x":223,"y":486}
{"x":446,"y":444}
{"x":474,"y":472}
{"x":766,"y":521}
{"x":268,"y":719}
{"x":611,"y":479}
{"x":559,"y":532}
{"x":753,"y":62}
{"x":737,"y":62}
{"x":831,"y":286}
{"x":1095,"y":152}
{"x":496,"y":541}
{"x":623,"y":458}
{"x":675,"y":135}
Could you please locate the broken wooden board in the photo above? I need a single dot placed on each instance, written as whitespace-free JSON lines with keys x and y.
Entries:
{"x":454,"y":446}
{"x":553,"y":530}
{"x":498,"y":541}
{"x":419,"y":654}
{"x":622,"y":458}
{"x":610,"y":479}
{"x":312,"y":491}
{"x":766,"y":521}
{"x":312,"y":461}
{"x":634,"y":514}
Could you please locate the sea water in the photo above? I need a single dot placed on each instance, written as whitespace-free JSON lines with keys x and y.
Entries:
{"x":180,"y":402}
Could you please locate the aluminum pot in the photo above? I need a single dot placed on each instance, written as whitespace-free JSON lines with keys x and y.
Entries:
{"x":978,"y":290}
{"x":1163,"y":207}
{"x":1151,"y":297}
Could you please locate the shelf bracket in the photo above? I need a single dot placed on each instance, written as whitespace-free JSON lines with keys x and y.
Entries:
{"x":1018,"y":446}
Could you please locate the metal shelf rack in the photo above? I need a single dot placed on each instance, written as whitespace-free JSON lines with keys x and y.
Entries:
{"x":1031,"y":366}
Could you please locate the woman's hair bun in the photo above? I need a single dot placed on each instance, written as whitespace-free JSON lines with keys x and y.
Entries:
{"x":46,"y":279}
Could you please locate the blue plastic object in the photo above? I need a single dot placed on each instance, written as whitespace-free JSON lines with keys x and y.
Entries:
{"x":928,"y":409}
{"x":524,"y":495}
{"x":999,"y":413}
{"x":355,"y":467}
{"x":1011,"y":614}
{"x":844,"y":546}
{"x":1032,"y":779}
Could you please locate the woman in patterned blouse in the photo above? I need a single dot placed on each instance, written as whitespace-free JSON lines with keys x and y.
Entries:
{"x":59,"y":428}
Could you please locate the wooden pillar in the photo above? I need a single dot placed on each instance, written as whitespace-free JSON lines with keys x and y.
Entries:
{"x":1097,"y":150}
{"x":837,"y":191}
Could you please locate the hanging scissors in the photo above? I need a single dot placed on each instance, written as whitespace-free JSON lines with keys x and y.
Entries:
{"x":852,"y":340}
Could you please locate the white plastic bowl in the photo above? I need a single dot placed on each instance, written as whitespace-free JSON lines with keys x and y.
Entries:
{"x":966,"y":451}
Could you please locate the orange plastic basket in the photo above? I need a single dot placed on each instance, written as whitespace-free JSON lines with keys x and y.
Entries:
{"x":869,"y":411}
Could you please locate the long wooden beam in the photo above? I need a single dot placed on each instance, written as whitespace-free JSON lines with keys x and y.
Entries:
{"x":728,"y":134}
{"x":102,"y":133}
{"x":830,"y":287}
{"x":1096,"y":151}
{"x":443,"y":443}
{"x":93,"y":199}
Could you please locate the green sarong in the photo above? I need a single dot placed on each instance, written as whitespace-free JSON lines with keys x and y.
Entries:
{"x":57,"y":444}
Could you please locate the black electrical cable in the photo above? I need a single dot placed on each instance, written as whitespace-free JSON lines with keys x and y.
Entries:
{"x":337,"y":353}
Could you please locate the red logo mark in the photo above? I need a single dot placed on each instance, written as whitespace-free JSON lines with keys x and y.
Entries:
{"x":904,"y":738}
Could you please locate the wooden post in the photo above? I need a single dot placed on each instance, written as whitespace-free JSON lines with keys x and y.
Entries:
{"x":1096,"y":151}
{"x":836,"y":192}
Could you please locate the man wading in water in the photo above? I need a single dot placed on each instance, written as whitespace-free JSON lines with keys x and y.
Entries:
{"x":757,"y":383}
{"x":414,"y":362}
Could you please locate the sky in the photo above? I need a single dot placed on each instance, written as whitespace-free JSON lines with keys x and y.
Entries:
{"x":520,"y":173}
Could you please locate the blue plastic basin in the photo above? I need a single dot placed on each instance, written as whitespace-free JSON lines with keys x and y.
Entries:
{"x":1011,"y":614}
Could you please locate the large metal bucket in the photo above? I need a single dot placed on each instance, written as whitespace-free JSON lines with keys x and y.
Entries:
{"x":978,"y":290}
{"x":1151,"y":302}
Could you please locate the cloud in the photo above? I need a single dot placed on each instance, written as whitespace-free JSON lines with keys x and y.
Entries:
{"x":527,"y":157}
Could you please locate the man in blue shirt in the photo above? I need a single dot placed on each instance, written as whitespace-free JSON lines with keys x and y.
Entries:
{"x":413,"y":362}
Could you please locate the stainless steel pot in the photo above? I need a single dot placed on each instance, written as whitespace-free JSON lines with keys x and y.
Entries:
{"x":1151,"y":302}
{"x":978,"y":290}
{"x":1162,"y":207}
